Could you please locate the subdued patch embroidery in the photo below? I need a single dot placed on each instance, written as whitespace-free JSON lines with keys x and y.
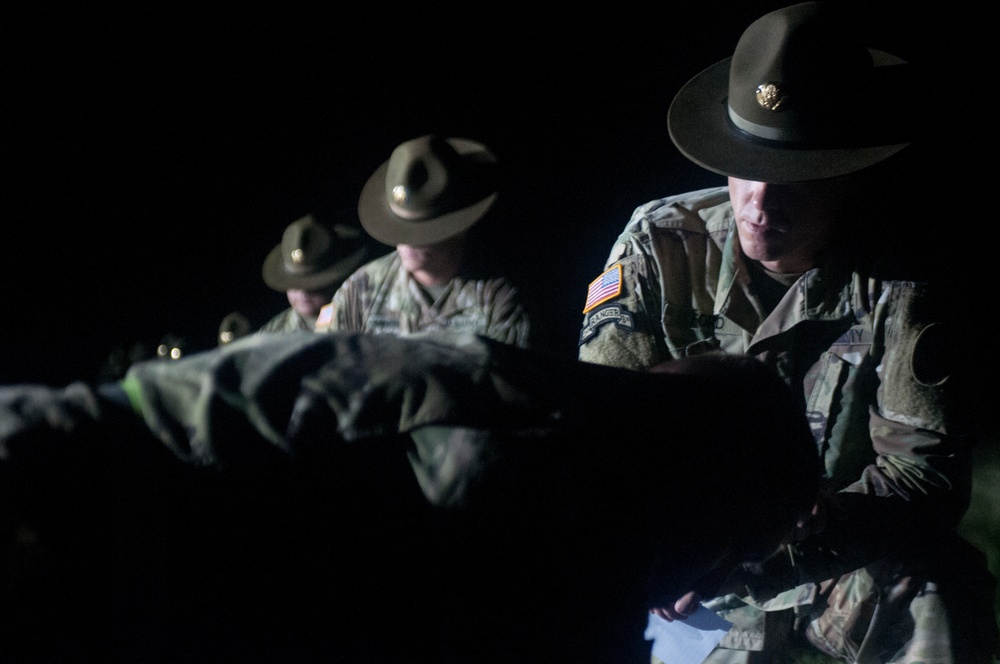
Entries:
{"x":324,"y":318}
{"x":604,"y":287}
{"x":612,"y":313}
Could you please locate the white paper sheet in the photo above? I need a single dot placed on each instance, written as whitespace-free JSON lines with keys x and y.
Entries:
{"x":686,"y":641}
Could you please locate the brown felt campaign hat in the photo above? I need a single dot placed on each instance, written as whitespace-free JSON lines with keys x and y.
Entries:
{"x":802,"y":98}
{"x":314,"y":256}
{"x":430,"y":189}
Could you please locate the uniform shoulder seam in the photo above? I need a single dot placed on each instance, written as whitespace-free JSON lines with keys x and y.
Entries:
{"x":695,"y":211}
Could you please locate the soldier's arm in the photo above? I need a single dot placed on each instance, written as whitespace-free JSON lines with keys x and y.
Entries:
{"x":647,"y":305}
{"x":922,"y":432}
{"x":508,"y":318}
{"x":621,"y":308}
{"x":922,"y":428}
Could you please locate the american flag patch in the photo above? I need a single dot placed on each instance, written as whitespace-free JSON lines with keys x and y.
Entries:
{"x":325,"y":318}
{"x":603,"y":288}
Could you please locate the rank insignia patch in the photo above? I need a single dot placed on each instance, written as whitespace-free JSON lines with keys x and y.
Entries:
{"x":603,"y":288}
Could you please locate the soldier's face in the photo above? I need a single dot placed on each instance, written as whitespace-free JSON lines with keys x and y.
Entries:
{"x":308,"y":303}
{"x":786,"y":226}
{"x":440,"y":258}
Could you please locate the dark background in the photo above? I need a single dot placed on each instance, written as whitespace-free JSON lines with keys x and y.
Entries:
{"x":155,"y":153}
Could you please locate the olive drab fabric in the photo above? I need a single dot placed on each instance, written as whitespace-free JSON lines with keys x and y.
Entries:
{"x":287,"y":320}
{"x":872,"y":359}
{"x":436,"y":471}
{"x":383,"y":298}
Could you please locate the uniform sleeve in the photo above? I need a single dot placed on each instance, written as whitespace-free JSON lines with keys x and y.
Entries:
{"x":656,"y":294}
{"x":509,"y":321}
{"x":280,"y":322}
{"x":621,"y":323}
{"x":342,"y":314}
{"x":272,"y":325}
{"x":922,"y":432}
{"x":922,"y":429}
{"x":353,"y":302}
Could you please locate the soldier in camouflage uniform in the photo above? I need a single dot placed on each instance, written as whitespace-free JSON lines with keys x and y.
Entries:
{"x":312,"y":260}
{"x":423,"y":201}
{"x":775,"y":266}
{"x":491,"y":496}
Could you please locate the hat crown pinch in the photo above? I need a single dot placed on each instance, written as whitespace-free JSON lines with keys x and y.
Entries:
{"x":798,"y":74}
{"x":305,"y":246}
{"x":427,"y":177}
{"x":419,"y":188}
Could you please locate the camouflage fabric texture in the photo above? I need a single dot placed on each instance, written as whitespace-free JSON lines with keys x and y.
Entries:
{"x":539,"y":477}
{"x":288,"y":320}
{"x":873,"y":360}
{"x":382,"y":298}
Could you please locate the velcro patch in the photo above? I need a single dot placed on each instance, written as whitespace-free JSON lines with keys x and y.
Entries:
{"x":931,"y":361}
{"x":612,"y":313}
{"x":603,"y":288}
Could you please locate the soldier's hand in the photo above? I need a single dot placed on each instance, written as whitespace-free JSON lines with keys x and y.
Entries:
{"x":814,"y":522}
{"x":686,"y":605}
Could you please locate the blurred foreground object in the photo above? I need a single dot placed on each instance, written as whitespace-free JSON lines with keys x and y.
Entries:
{"x":442,"y":497}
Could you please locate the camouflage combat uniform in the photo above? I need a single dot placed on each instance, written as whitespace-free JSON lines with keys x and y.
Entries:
{"x":871,"y":358}
{"x":383,"y":298}
{"x":288,"y":320}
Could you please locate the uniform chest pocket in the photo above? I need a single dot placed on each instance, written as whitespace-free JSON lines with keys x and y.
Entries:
{"x":839,"y":389}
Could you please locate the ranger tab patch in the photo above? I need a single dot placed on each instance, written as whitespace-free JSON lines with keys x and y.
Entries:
{"x":610,"y":313}
{"x":603,"y":288}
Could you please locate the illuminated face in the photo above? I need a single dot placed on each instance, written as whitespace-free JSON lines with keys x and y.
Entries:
{"x":786,"y":226}
{"x":432,"y":263}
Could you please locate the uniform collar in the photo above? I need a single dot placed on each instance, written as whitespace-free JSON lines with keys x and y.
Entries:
{"x":824,"y":293}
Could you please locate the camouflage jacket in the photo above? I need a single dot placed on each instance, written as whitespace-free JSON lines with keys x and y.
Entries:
{"x":383,"y":298}
{"x":870,"y":357}
{"x":288,"y":320}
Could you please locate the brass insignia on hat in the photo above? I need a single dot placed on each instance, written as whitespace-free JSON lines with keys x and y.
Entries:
{"x":296,"y":255}
{"x":771,"y":97}
{"x":399,"y":194}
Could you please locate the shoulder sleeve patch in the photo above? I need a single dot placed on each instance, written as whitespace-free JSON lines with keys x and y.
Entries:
{"x":604,"y":287}
{"x":930,"y":363}
{"x":611,"y":313}
{"x":324,"y":318}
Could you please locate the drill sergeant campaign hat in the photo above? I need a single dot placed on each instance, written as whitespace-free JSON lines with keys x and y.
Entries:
{"x":314,"y":256}
{"x":802,"y":98}
{"x":430,"y":189}
{"x":234,"y":326}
